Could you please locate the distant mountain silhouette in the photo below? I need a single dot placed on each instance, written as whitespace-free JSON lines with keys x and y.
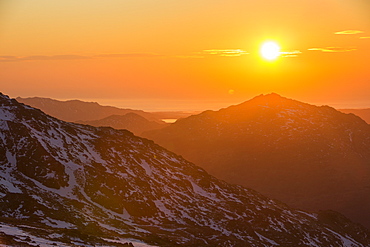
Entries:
{"x":362,"y":113}
{"x":76,"y":110}
{"x":131,"y":121}
{"x":308,"y":156}
{"x":174,"y":114}
{"x":66,"y":184}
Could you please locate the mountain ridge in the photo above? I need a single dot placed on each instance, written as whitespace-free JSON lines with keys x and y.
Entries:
{"x":130,"y":121}
{"x":77,"y":110}
{"x":74,"y":184}
{"x":362,"y":113}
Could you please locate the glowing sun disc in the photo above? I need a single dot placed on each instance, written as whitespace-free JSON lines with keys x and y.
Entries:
{"x":270,"y":50}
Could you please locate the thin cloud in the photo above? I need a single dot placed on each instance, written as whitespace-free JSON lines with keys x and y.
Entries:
{"x":333,"y":49}
{"x":225,"y":52}
{"x":55,"y":57}
{"x":349,"y":32}
{"x":189,"y":56}
{"x":294,"y":53}
{"x":8,"y":57}
{"x":128,"y":55}
{"x":41,"y":58}
{"x":75,"y":57}
{"x":364,"y":37}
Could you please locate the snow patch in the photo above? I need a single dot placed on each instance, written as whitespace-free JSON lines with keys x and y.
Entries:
{"x":6,"y":114}
{"x":159,"y":204}
{"x":147,"y":168}
{"x":10,"y":187}
{"x":202,"y":192}
{"x":263,"y":238}
{"x":58,"y":223}
{"x":21,"y":236}
{"x":309,"y":215}
{"x":135,"y":243}
{"x":346,"y":241}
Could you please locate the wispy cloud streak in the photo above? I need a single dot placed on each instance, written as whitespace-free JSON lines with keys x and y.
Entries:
{"x":30,"y":58}
{"x":225,"y":53}
{"x":294,"y":53}
{"x":333,"y":49}
{"x":75,"y":57}
{"x":349,"y":32}
{"x":189,"y":56}
{"x":128,"y":55}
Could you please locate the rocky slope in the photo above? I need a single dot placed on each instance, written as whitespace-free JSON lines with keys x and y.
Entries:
{"x":310,"y":157}
{"x":74,"y":185}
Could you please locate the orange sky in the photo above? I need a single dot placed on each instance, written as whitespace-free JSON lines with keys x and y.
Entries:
{"x":160,"y":54}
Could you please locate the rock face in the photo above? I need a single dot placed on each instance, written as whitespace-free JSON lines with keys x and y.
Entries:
{"x":68,"y":184}
{"x":131,"y":121}
{"x":310,"y":157}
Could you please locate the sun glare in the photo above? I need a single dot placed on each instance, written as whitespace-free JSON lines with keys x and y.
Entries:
{"x":270,"y":50}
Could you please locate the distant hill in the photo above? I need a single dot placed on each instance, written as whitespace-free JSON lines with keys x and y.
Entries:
{"x":308,"y":156}
{"x":362,"y":113}
{"x":175,"y":114}
{"x":76,"y":110}
{"x":131,"y":121}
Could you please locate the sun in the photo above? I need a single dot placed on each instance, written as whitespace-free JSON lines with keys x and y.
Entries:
{"x":270,"y":50}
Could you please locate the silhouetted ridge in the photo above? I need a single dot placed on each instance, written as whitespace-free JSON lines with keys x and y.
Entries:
{"x":77,"y":110}
{"x":130,"y":121}
{"x":363,"y":113}
{"x":312,"y":157}
{"x":271,"y":100}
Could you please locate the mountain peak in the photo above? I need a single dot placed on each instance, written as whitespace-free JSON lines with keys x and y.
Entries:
{"x":271,"y":98}
{"x":4,"y":96}
{"x":271,"y":95}
{"x":263,"y":104}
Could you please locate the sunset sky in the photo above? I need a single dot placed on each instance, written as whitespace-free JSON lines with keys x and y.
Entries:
{"x":185,"y":55}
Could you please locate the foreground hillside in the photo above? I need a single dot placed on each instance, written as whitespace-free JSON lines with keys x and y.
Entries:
{"x":307,"y":156}
{"x":71,"y":184}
